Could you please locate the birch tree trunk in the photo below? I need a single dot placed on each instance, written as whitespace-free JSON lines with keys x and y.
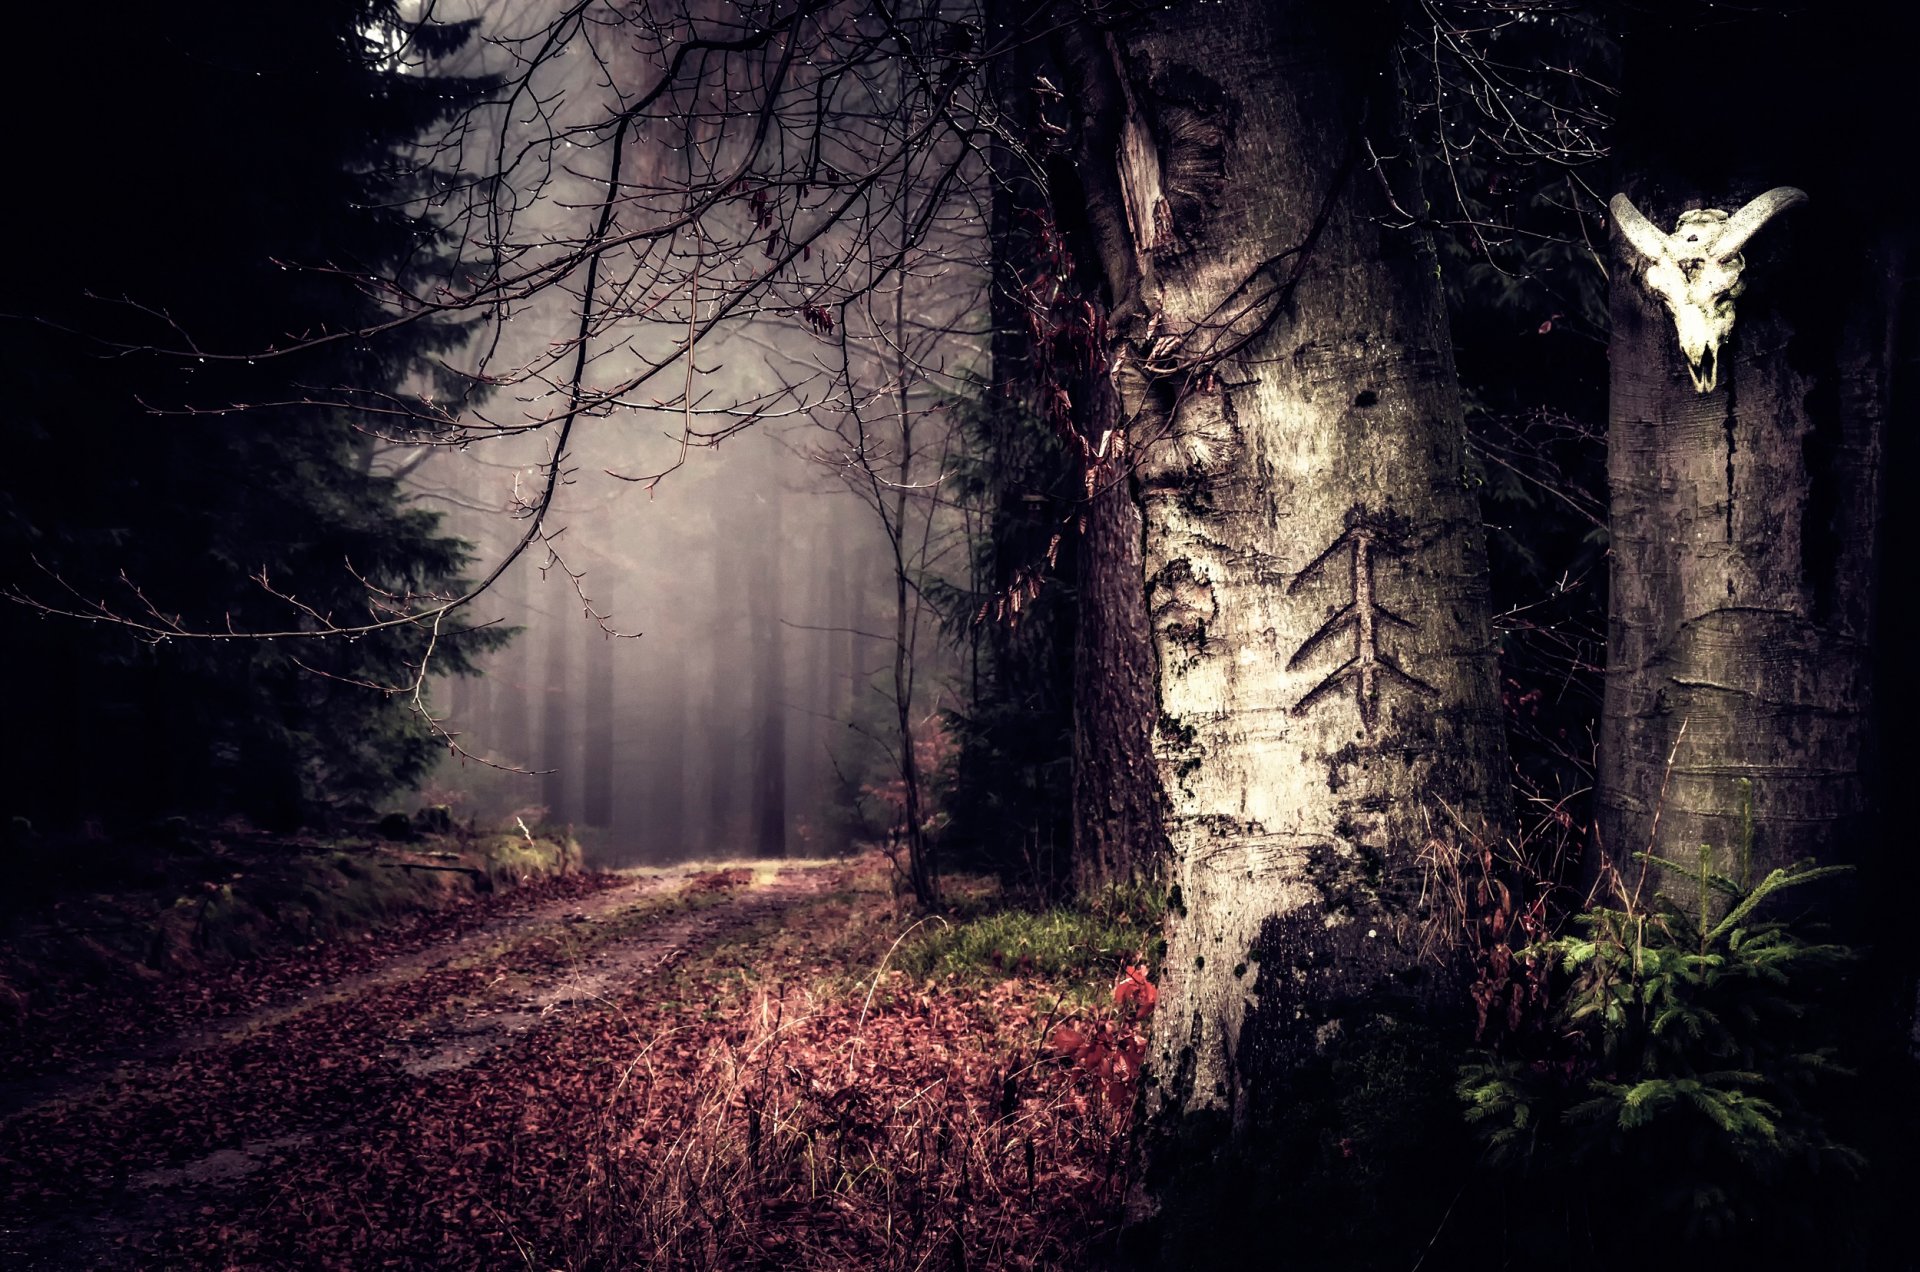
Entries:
{"x":1327,"y":709}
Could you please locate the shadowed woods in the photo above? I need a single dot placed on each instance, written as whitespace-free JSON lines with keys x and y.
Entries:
{"x":937,"y":634}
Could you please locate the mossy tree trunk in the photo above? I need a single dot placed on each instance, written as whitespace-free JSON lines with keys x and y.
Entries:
{"x":1326,"y":711}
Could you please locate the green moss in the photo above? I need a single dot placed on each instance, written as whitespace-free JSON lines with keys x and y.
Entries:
{"x":1084,"y":945}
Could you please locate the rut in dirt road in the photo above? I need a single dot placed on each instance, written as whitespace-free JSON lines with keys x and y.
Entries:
{"x":194,"y":1132}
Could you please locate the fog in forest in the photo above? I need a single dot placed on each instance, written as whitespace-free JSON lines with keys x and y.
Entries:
{"x":710,"y":611}
{"x":713,"y":608}
{"x":690,"y":693}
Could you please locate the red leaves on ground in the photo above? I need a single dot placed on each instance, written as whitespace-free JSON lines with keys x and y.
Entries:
{"x":1111,"y":1051}
{"x":717,"y":880}
{"x":710,"y":1115}
{"x":66,"y":1023}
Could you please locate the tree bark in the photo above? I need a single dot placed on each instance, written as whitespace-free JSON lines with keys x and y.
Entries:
{"x":1117,"y":832}
{"x":1078,"y":667}
{"x":1327,"y":721}
{"x":1739,"y":668}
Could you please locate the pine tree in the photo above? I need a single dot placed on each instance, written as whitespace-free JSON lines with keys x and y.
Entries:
{"x":219,"y":180}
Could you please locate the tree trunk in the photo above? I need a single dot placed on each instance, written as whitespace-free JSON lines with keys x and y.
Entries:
{"x":1738,"y":694}
{"x":1748,"y":654}
{"x":1117,"y":831}
{"x":557,"y":751}
{"x":597,"y":760}
{"x":511,"y":727}
{"x":476,"y":706}
{"x":769,"y":692}
{"x":1328,"y":724}
{"x":1024,"y":696}
{"x":723,"y":725}
{"x":666,"y":832}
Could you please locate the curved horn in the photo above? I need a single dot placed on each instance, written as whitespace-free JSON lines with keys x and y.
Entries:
{"x":1645,"y":237}
{"x":1745,"y":223}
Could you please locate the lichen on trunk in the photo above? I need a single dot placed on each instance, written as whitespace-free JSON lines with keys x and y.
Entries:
{"x":1327,"y":718}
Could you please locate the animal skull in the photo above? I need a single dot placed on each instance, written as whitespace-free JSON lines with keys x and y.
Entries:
{"x":1696,"y":270}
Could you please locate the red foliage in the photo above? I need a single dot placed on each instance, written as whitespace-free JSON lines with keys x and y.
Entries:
{"x":934,"y":751}
{"x":1509,"y":989}
{"x":701,"y":1114}
{"x":1111,"y":1051}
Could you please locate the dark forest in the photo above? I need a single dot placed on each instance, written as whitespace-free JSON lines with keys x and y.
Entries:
{"x":939,"y":634}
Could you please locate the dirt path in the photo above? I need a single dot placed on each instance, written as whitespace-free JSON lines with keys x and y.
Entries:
{"x":101,"y":1068}
{"x":129,"y":1147}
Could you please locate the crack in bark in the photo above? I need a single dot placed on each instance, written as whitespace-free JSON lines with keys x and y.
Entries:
{"x":1731,"y":447}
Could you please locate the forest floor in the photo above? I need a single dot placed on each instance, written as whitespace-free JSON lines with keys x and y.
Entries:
{"x":696,"y":1067}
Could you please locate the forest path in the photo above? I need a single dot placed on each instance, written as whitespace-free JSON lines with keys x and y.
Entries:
{"x":106,"y":1168}
{"x":107,"y":1064}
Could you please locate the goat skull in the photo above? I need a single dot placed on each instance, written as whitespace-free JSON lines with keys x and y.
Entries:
{"x":1697,"y":270}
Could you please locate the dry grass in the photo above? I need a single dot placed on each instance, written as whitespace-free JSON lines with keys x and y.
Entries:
{"x":824,"y":1120}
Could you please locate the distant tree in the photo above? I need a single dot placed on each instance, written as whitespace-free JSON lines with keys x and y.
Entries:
{"x":766,"y":596}
{"x":220,"y":180}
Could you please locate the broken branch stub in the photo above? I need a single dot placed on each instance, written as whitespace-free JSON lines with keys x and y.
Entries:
{"x":1697,"y":270}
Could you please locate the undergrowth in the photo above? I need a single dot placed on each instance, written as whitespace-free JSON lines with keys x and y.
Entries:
{"x":1085,"y":946}
{"x":812,"y":1101}
{"x":1684,"y":1074}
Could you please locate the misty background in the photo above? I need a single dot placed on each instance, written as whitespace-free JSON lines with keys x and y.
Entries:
{"x":728,"y":598}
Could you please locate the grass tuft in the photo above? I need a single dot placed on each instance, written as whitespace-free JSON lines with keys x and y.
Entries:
{"x":1085,"y":945}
